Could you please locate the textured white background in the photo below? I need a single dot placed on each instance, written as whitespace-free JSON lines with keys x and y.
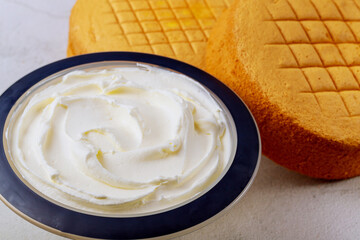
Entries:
{"x":280,"y":204}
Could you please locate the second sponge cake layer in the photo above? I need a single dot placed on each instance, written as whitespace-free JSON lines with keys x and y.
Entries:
{"x":172,"y":28}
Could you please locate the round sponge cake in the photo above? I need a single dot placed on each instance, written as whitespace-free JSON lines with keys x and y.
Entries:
{"x":297,"y":66}
{"x":171,"y":28}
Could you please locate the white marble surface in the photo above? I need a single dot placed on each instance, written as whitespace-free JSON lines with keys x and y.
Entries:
{"x":280,"y":204}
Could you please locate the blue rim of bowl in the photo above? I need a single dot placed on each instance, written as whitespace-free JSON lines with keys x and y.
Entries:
{"x":234,"y":183}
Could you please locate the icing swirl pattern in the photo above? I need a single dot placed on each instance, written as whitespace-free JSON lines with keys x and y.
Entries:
{"x":129,"y":139}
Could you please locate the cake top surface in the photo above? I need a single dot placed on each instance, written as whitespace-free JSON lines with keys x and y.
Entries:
{"x":172,"y":28}
{"x":306,"y":57}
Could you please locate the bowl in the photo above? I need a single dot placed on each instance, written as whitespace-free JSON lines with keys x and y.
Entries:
{"x":177,"y":220}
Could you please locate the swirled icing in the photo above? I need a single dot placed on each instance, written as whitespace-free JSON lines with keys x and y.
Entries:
{"x":130,"y":139}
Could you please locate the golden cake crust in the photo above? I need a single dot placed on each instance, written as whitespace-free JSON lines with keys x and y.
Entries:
{"x":172,"y":28}
{"x":296,"y":65}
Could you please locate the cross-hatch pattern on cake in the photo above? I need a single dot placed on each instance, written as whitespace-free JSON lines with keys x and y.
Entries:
{"x":172,"y":28}
{"x":321,"y":40}
{"x":296,"y":64}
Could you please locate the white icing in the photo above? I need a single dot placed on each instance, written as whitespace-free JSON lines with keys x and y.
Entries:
{"x":128,"y":140}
